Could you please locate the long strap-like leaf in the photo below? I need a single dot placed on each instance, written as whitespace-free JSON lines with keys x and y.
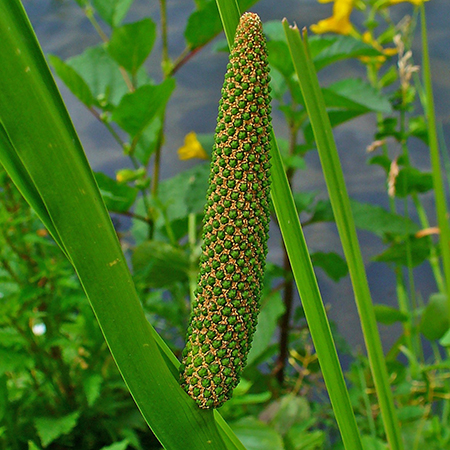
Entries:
{"x":42,"y":153}
{"x":340,"y":202}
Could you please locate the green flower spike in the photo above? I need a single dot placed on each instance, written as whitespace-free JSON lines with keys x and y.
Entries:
{"x":236,"y":224}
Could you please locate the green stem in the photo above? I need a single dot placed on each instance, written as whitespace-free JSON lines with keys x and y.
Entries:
{"x":366,"y":400}
{"x":165,"y":47}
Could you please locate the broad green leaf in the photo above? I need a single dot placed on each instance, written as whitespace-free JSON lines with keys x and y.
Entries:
{"x":359,"y":93}
{"x":336,"y":117}
{"x":185,"y":193}
{"x":387,"y":315}
{"x":388,"y":127}
{"x":256,"y":435}
{"x":373,"y":443}
{"x":399,"y":252}
{"x":445,"y":340}
{"x":381,"y":222}
{"x":348,"y":99}
{"x":300,"y":438}
{"x":267,"y":324}
{"x":92,"y":387}
{"x":118,"y":197}
{"x":279,"y":58}
{"x":418,"y":128}
{"x":137,"y":109}
{"x":51,"y":428}
{"x":287,"y":411}
{"x":391,"y":76}
{"x":131,"y":44}
{"x":304,"y":200}
{"x":410,"y":180}
{"x":328,"y":49}
{"x":435,"y":323}
{"x":295,"y":162}
{"x":72,"y":80}
{"x":102,"y":74}
{"x":411,"y":413}
{"x":204,"y":24}
{"x":14,"y":360}
{"x":148,"y":141}
{"x":10,"y":337}
{"x":382,"y":161}
{"x":112,"y":11}
{"x":122,"y":445}
{"x":370,"y":218}
{"x":33,"y":446}
{"x":273,"y":29}
{"x":159,"y":264}
{"x":333,"y":264}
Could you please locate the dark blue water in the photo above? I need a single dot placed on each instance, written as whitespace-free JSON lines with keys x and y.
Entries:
{"x":63,"y":30}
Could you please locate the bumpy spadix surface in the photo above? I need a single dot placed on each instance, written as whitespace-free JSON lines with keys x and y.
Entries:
{"x":236,"y":223}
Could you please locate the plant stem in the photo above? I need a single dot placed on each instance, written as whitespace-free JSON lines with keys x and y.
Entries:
{"x":165,"y":48}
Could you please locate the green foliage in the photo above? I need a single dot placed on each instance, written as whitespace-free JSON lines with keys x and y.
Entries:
{"x":59,"y":384}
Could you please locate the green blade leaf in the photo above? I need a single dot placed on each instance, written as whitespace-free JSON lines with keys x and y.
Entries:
{"x":41,"y":132}
{"x":159,"y":264}
{"x":337,"y":190}
{"x":17,"y":171}
{"x":333,"y":264}
{"x":131,"y":44}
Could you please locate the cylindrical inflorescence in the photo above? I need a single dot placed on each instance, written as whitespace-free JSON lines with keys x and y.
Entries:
{"x":236,"y":225}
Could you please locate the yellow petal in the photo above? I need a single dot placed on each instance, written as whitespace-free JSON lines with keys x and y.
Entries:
{"x":332,"y":25}
{"x":414,"y":2}
{"x":339,"y":22}
{"x":192,"y":148}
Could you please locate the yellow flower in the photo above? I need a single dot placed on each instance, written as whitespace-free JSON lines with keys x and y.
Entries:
{"x":368,"y":39}
{"x":339,"y":22}
{"x":192,"y":148}
{"x":414,"y":2}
